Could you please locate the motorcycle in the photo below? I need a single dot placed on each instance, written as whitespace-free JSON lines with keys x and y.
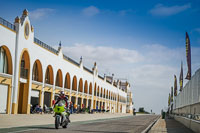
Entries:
{"x":60,"y":110}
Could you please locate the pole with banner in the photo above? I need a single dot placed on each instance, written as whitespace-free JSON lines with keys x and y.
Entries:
{"x":188,"y":57}
{"x":175,"y":86}
{"x":181,"y":77}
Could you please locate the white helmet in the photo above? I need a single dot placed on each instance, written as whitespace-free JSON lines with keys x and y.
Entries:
{"x":62,"y":93}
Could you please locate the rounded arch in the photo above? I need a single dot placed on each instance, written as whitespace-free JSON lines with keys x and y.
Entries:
{"x":49,"y":75}
{"x":59,"y":78}
{"x":95,"y":89}
{"x":37,"y":71}
{"x":80,"y":85}
{"x":86,"y":87}
{"x":23,"y":88}
{"x":5,"y":60}
{"x":90,"y":89}
{"x":67,"y":81}
{"x":24,"y":64}
{"x":98,"y":91}
{"x":74,"y":83}
{"x":101,"y":92}
{"x":107,"y":94}
{"x":104,"y":93}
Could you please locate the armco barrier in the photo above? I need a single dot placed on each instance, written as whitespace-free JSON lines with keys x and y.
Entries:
{"x":189,"y":123}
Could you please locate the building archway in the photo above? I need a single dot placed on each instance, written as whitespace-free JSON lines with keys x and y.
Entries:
{"x":23,"y":88}
{"x":98,"y":91}
{"x":80,"y":85}
{"x":86,"y":87}
{"x":104,"y":92}
{"x":67,"y":81}
{"x":5,"y":60}
{"x":5,"y":87}
{"x":37,"y":71}
{"x":59,"y":79}
{"x":107,"y":94}
{"x":95,"y":89}
{"x":101,"y":92}
{"x":49,"y":75}
{"x":74,"y":83}
{"x":90,"y":89}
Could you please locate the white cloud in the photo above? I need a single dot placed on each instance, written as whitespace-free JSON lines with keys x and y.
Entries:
{"x":103,"y":54}
{"x":161,"y":10}
{"x":90,"y":11}
{"x":150,"y":70}
{"x":40,"y":13}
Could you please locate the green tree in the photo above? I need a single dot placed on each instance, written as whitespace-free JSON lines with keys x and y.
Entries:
{"x":141,"y":109}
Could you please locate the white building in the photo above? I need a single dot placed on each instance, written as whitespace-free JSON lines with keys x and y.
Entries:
{"x":32,"y":72}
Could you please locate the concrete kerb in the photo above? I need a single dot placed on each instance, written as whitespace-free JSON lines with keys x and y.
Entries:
{"x":150,"y":126}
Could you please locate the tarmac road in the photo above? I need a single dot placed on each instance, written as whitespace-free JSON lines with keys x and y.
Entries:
{"x":130,"y":124}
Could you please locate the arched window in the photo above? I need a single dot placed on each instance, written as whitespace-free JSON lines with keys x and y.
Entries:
{"x":59,"y":78}
{"x":47,"y":76}
{"x":35,"y":72}
{"x":3,"y":61}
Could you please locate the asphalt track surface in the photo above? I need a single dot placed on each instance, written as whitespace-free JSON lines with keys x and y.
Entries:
{"x":130,"y":124}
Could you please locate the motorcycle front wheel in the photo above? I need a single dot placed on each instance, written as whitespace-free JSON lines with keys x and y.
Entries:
{"x":57,"y":121}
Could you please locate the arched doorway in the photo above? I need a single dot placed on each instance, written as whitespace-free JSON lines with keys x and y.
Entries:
{"x":80,"y":86}
{"x":5,"y":60}
{"x":104,"y":92}
{"x":48,"y":80}
{"x":37,"y":75}
{"x":37,"y":71}
{"x":67,"y":81}
{"x":5,"y":87}
{"x":90,"y":89}
{"x":95,"y":89}
{"x":98,"y":91}
{"x":74,"y":83}
{"x":86,"y":87}
{"x":49,"y":75}
{"x":59,"y":79}
{"x":23,"y":90}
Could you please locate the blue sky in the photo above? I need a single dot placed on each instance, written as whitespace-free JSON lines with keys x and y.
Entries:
{"x":145,"y":39}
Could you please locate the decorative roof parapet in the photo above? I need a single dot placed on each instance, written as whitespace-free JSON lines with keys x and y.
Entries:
{"x":7,"y":24}
{"x":25,"y":12}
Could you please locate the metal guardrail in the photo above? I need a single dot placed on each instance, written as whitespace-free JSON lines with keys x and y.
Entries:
{"x":44,"y":45}
{"x":108,"y":81}
{"x":7,"y":24}
{"x":71,"y":60}
{"x":85,"y":68}
{"x":100,"y":77}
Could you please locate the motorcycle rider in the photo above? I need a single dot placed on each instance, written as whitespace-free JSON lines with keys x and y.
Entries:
{"x":62,"y":98}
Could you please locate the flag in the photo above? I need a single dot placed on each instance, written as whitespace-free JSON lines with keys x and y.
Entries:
{"x":171,"y":94}
{"x":175,"y":86}
{"x":188,"y":57}
{"x":181,"y":77}
{"x":169,"y":100}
